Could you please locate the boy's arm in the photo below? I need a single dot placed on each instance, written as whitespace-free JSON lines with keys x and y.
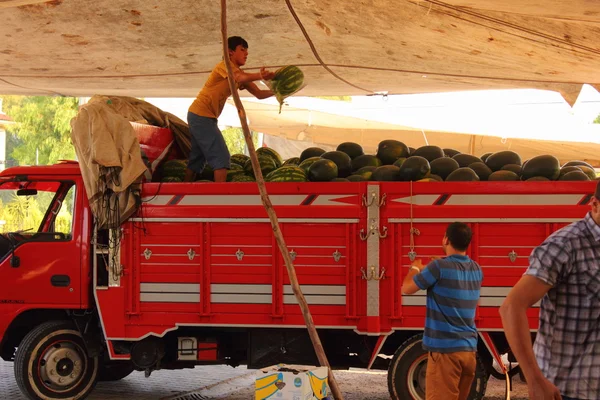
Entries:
{"x":245,"y":78}
{"x":257,"y":92}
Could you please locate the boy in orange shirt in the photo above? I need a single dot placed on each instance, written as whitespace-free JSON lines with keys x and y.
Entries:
{"x":208,"y":144}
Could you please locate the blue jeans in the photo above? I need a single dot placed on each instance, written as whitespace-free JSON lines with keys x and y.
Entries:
{"x":208,"y":144}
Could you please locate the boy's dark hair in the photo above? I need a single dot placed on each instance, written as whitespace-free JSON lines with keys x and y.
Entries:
{"x":235,"y":41}
{"x":459,"y":235}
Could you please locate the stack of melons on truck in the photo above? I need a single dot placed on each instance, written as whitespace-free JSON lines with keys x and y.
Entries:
{"x":394,"y":161}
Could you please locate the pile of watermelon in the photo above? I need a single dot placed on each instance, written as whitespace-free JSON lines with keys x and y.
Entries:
{"x":394,"y":161}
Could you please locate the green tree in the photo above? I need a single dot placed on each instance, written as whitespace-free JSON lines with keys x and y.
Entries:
{"x":42,"y":128}
{"x":597,"y":120}
{"x":234,"y":139}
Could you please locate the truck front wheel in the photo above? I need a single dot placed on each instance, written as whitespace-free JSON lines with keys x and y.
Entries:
{"x":407,"y":370}
{"x":51,"y":363}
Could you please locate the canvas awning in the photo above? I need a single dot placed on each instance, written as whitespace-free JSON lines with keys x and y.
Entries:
{"x":168,"y":47}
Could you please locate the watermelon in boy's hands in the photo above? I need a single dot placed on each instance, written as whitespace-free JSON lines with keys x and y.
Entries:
{"x":287,"y":81}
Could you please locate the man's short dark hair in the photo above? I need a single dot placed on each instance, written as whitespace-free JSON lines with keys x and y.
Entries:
{"x":234,"y":41}
{"x":459,"y":235}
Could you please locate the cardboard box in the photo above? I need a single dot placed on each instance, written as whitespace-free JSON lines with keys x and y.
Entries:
{"x":292,"y":382}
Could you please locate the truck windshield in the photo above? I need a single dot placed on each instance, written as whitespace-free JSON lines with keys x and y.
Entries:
{"x":36,"y":207}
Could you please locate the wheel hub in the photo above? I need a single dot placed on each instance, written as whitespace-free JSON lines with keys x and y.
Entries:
{"x":416,"y":377}
{"x":61,"y":366}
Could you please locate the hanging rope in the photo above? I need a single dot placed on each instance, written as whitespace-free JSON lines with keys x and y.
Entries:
{"x":413,"y":231}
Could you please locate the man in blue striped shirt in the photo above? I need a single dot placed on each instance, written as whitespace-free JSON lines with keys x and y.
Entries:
{"x":453,"y":284}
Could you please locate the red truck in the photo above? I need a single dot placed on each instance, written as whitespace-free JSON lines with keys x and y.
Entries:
{"x":195,"y":276}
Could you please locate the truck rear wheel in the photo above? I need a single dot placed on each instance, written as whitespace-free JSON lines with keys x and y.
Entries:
{"x":407,"y":370}
{"x":51,"y":363}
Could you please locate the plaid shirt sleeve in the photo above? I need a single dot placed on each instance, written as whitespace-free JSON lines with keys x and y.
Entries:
{"x":428,"y":277}
{"x":550,"y":261}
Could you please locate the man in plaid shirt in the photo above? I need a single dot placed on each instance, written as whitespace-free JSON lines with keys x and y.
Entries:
{"x":564,"y":273}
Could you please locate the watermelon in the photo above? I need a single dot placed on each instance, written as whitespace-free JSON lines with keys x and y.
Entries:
{"x":411,"y":151}
{"x":171,"y":179}
{"x":503,"y":176}
{"x":305,"y":165}
{"x":322,"y":170}
{"x":356,"y":178}
{"x":414,"y":168}
{"x":243,"y":178}
{"x":429,"y":152}
{"x":450,"y":152}
{"x":174,"y":169}
{"x":311,"y":152}
{"x":267,"y":164}
{"x":365,"y":160}
{"x":462,"y":174}
{"x":234,"y":167}
{"x":288,"y":173}
{"x":498,"y":160}
{"x":576,"y":163}
{"x":368,"y":168}
{"x":398,"y":163}
{"x":386,"y":173}
{"x":435,"y":177}
{"x":482,"y":170}
{"x":574,"y":176}
{"x":547,"y":166}
{"x":389,"y":151}
{"x":292,"y":161}
{"x":485,"y":156}
{"x":339,"y":180}
{"x":590,"y":172}
{"x":271,"y":153}
{"x":233,"y":172}
{"x":239,"y":159}
{"x":538,"y":179}
{"x":287,"y":81}
{"x":352,"y":149}
{"x":464,"y":160}
{"x":516,"y":168}
{"x":443,"y":166}
{"x":568,"y":169}
{"x":342,"y":160}
{"x":366,"y":172}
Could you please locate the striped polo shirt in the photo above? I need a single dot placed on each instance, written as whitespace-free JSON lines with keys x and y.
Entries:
{"x":453,"y":284}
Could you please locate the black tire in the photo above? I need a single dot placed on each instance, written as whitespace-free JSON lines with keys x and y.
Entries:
{"x":406,"y":373}
{"x":114,"y":371}
{"x":48,"y":348}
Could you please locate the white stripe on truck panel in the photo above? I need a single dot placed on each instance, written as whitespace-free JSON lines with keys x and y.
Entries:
{"x":247,"y":200}
{"x":240,"y":288}
{"x":241,"y":293}
{"x":170,"y":297}
{"x":495,"y":199}
{"x":489,"y":297}
{"x":170,"y":287}
{"x":317,"y":294}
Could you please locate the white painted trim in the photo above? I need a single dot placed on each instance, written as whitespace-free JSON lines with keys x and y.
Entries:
{"x":218,"y":288}
{"x":231,"y":298}
{"x":170,"y":297}
{"x":318,"y":289}
{"x":170,"y":287}
{"x":498,"y":220}
{"x":316,"y":300}
{"x":252,"y":220}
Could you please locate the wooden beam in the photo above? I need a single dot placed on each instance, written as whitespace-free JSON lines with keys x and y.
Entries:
{"x":310,"y":325}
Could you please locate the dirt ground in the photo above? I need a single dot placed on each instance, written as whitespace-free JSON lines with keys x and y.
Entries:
{"x":356,"y":385}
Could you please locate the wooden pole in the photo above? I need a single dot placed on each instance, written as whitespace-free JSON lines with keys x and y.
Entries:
{"x":310,"y":325}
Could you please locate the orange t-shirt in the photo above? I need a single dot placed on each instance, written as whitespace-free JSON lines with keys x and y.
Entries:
{"x":211,"y":99}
